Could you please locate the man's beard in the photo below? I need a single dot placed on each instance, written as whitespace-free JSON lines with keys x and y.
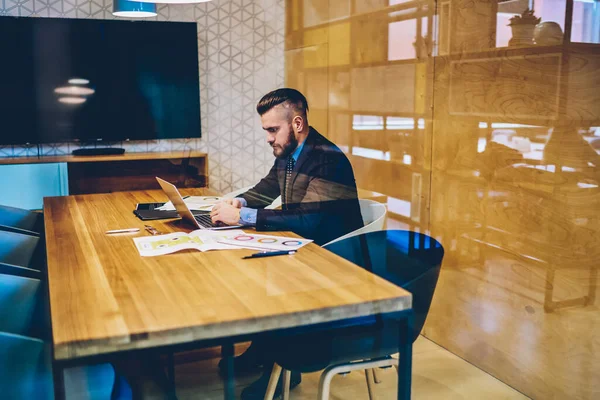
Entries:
{"x":286,"y":149}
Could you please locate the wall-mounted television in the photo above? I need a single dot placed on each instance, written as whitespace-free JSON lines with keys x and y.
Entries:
{"x":65,"y":80}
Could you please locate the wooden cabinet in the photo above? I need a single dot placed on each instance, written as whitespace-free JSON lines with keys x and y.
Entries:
{"x":129,"y":171}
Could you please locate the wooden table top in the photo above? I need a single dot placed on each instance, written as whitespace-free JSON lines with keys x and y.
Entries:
{"x":105,"y":297}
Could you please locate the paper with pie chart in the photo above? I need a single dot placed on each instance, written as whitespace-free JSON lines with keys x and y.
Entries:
{"x":201,"y":240}
{"x":264,"y":242}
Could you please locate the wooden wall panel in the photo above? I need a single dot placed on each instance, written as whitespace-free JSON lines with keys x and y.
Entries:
{"x":385,"y":89}
{"x":583,"y":97}
{"x":365,"y":6}
{"x":369,"y":39}
{"x":339,"y":44}
{"x":521,"y":86}
{"x":472,"y":25}
{"x":497,"y":151}
{"x":516,"y":202}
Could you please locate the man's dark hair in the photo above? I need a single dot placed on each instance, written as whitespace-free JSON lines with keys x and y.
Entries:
{"x":290,"y":98}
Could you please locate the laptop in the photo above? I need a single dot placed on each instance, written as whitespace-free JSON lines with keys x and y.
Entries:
{"x":202,"y":221}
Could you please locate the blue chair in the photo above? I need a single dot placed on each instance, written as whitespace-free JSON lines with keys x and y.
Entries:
{"x":23,"y":307}
{"x":25,"y":353}
{"x":21,"y":254}
{"x":27,"y":373}
{"x":17,"y":270}
{"x":408,"y":259}
{"x":21,"y":221}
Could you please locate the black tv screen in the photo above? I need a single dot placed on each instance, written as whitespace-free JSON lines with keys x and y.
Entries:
{"x":93,"y":80}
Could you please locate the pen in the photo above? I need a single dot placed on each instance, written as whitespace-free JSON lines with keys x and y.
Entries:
{"x":123,"y":230}
{"x":269,"y":254}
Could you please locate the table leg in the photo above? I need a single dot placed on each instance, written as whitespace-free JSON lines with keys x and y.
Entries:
{"x":171,"y":376}
{"x":59,"y":381}
{"x":405,"y":361}
{"x":227,"y":354}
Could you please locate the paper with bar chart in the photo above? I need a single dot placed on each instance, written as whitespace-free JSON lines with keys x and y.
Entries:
{"x":201,"y":240}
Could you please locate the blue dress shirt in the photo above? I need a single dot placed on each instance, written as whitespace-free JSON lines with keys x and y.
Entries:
{"x":248,"y":215}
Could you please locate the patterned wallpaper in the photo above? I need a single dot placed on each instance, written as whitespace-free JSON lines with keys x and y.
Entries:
{"x":240,"y":55}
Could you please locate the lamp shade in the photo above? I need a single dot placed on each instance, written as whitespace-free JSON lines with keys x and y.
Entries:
{"x":133,"y":9}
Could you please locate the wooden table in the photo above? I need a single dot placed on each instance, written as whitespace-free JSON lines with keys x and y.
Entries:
{"x":105,"y":299}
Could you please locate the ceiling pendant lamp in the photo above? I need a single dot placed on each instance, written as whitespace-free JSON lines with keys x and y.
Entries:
{"x":174,"y":1}
{"x":133,"y":9}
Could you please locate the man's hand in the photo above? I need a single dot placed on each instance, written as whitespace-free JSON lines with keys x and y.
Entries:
{"x":232,"y":202}
{"x":227,"y":212}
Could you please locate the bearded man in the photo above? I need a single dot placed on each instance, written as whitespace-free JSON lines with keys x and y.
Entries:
{"x":319,"y":201}
{"x":311,"y":174}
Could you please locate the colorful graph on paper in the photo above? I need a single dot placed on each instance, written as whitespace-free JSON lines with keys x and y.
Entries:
{"x":265,"y":242}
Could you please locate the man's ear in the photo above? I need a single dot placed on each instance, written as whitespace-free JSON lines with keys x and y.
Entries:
{"x":298,"y":123}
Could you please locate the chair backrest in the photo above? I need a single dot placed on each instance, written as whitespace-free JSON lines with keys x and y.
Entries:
{"x":408,"y":259}
{"x":26,"y":365}
{"x":373,"y":214}
{"x":16,"y":270}
{"x":275,"y":204}
{"x":17,"y":248}
{"x":20,"y":305}
{"x":20,"y":220}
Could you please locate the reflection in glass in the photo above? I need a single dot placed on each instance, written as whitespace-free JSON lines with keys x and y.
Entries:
{"x":367,"y":122}
{"x":71,"y":100}
{"x":495,"y":151}
{"x":402,"y":34}
{"x":399,"y":123}
{"x":74,"y":91}
{"x":371,"y":153}
{"x":586,"y":21}
{"x":78,"y":81}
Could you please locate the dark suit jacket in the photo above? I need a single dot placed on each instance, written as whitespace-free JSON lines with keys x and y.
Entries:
{"x":322,"y":197}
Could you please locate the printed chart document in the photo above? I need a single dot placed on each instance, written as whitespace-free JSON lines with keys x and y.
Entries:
{"x":195,"y":203}
{"x":205,"y":240}
{"x":200,"y":239}
{"x":263,"y":242}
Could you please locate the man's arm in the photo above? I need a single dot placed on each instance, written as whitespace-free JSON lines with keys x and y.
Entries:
{"x":330,"y":198}
{"x":247,"y":215}
{"x":243,"y":209}
{"x":265,"y":191}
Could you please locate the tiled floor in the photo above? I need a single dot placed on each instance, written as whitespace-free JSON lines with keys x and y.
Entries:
{"x":437,"y":374}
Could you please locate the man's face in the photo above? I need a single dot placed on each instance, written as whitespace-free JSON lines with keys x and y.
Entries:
{"x":277,"y":122}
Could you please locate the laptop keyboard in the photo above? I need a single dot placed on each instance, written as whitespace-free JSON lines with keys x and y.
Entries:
{"x":205,"y":220}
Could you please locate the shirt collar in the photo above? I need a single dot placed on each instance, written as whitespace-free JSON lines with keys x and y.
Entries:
{"x":298,"y":150}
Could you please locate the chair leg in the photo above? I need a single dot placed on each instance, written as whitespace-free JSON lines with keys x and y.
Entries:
{"x":375,"y":378}
{"x":330,"y":372}
{"x":273,"y":382}
{"x":325,"y":383}
{"x":287,"y":374}
{"x":370,"y":383}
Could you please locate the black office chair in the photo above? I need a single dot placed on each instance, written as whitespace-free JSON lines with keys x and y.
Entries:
{"x":408,"y":259}
{"x":21,"y":221}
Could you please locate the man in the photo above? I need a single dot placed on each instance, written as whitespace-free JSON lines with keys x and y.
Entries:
{"x":319,"y":199}
{"x":312,"y":175}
